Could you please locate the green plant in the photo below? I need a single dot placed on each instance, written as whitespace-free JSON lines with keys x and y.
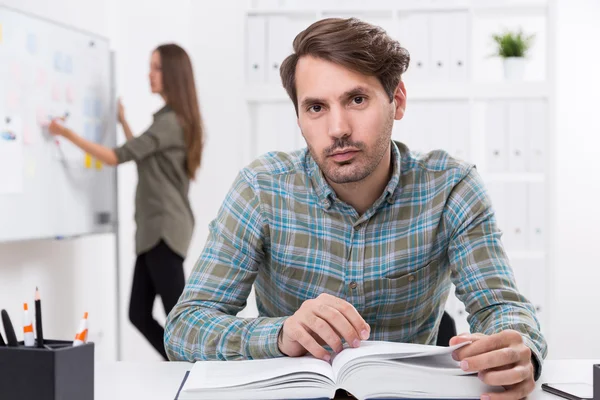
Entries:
{"x":512,"y":44}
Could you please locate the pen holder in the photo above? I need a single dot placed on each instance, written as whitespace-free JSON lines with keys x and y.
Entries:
{"x":58,"y":371}
{"x":597,"y":382}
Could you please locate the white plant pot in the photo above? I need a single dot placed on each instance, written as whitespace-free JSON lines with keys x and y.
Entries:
{"x":514,"y":68}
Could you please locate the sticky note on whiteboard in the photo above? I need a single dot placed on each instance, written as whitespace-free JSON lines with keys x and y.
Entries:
{"x":42,"y":117}
{"x":27,"y":135}
{"x":17,"y":72}
{"x":58,"y":61}
{"x":88,"y":108}
{"x":97,"y":108}
{"x":12,"y":101}
{"x":87,"y":161}
{"x":69,"y":95}
{"x":40,"y":80}
{"x":68,"y":64}
{"x":31,"y":43}
{"x":56,"y":92}
{"x":30,"y":168}
{"x":98,"y":165}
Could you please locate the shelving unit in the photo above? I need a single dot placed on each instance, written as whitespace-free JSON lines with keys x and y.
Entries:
{"x":504,"y":127}
{"x":434,"y":91}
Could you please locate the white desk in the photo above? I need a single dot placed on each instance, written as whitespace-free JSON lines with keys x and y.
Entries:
{"x":161,"y":380}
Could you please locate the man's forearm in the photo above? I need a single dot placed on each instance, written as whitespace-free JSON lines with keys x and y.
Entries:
{"x":197,"y":333}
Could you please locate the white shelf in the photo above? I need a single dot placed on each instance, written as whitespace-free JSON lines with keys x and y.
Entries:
{"x":508,"y":90}
{"x":432,"y":91}
{"x":281,"y":11}
{"x":477,"y":91}
{"x":478,"y":6}
{"x":510,"y":7}
{"x":514,"y":177}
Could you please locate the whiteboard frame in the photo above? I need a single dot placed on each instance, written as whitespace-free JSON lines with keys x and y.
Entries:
{"x":53,"y":22}
{"x":113,"y":226}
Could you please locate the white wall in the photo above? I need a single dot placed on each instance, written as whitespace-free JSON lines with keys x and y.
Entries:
{"x":576,"y":296}
{"x":137,"y":29}
{"x":211,"y":32}
{"x":218,"y":48}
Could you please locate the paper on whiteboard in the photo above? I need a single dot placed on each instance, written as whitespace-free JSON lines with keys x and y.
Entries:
{"x":11,"y":156}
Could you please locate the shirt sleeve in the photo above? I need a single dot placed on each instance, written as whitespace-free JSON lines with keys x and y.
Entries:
{"x":481,"y":271}
{"x":164,"y":133}
{"x":203,"y":325}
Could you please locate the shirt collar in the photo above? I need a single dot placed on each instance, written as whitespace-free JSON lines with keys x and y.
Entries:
{"x":164,"y":109}
{"x":325,"y":192}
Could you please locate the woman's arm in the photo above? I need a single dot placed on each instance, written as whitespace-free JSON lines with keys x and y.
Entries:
{"x":123,"y":121}
{"x":126,"y":129}
{"x":102,"y":153}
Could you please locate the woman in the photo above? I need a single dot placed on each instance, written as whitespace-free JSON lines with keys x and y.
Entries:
{"x":167,"y":157}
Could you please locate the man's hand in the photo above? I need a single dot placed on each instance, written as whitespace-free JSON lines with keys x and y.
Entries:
{"x":324,"y":320}
{"x":501,"y":360}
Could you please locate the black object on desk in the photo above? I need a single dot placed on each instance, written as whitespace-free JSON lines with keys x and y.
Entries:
{"x":597,"y":382}
{"x":58,"y":371}
{"x":11,"y":338}
{"x":39,"y":329}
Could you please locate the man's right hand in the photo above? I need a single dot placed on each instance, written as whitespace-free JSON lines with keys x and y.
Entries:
{"x":324,"y":320}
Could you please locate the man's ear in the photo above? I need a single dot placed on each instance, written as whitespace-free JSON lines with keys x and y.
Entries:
{"x":399,"y":101}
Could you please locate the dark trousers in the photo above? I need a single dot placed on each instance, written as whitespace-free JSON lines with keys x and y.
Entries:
{"x":159,"y":271}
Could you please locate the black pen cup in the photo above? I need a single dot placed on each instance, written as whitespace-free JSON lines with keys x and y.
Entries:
{"x":597,"y":382}
{"x":58,"y":371}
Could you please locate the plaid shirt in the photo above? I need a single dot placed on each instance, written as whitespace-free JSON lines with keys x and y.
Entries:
{"x":282,"y":228}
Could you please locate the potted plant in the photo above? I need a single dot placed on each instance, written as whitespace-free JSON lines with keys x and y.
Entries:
{"x":513,"y":48}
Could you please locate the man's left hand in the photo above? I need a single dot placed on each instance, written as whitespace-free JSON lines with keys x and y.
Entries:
{"x":501,"y":359}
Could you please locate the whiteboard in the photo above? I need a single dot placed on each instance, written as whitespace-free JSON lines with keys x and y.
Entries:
{"x":48,"y":187}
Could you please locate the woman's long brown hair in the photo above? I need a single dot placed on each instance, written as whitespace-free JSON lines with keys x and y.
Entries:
{"x":179,"y":90}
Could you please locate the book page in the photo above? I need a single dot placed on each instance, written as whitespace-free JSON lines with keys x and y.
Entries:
{"x":227,"y":374}
{"x":376,"y":350}
{"x":383,"y":381}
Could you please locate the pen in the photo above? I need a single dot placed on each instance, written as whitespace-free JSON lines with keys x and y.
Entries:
{"x":11,"y":338}
{"x":81,"y":335}
{"x":28,"y":338}
{"x":38,"y":319}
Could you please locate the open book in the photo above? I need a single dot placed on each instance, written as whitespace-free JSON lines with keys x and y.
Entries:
{"x":375,"y":370}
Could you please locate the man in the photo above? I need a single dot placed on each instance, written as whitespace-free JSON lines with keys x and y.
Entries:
{"x":355,"y":237}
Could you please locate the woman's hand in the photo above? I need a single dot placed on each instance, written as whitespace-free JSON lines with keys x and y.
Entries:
{"x":57,"y":128}
{"x":120,"y":112}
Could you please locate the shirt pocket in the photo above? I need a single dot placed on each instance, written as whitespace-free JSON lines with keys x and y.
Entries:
{"x":406,"y":300}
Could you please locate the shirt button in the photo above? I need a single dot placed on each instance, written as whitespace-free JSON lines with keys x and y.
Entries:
{"x":353,"y":285}
{"x":411,"y":278}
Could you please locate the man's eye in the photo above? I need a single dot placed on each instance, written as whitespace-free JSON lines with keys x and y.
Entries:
{"x":316,"y":108}
{"x":359,"y":99}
